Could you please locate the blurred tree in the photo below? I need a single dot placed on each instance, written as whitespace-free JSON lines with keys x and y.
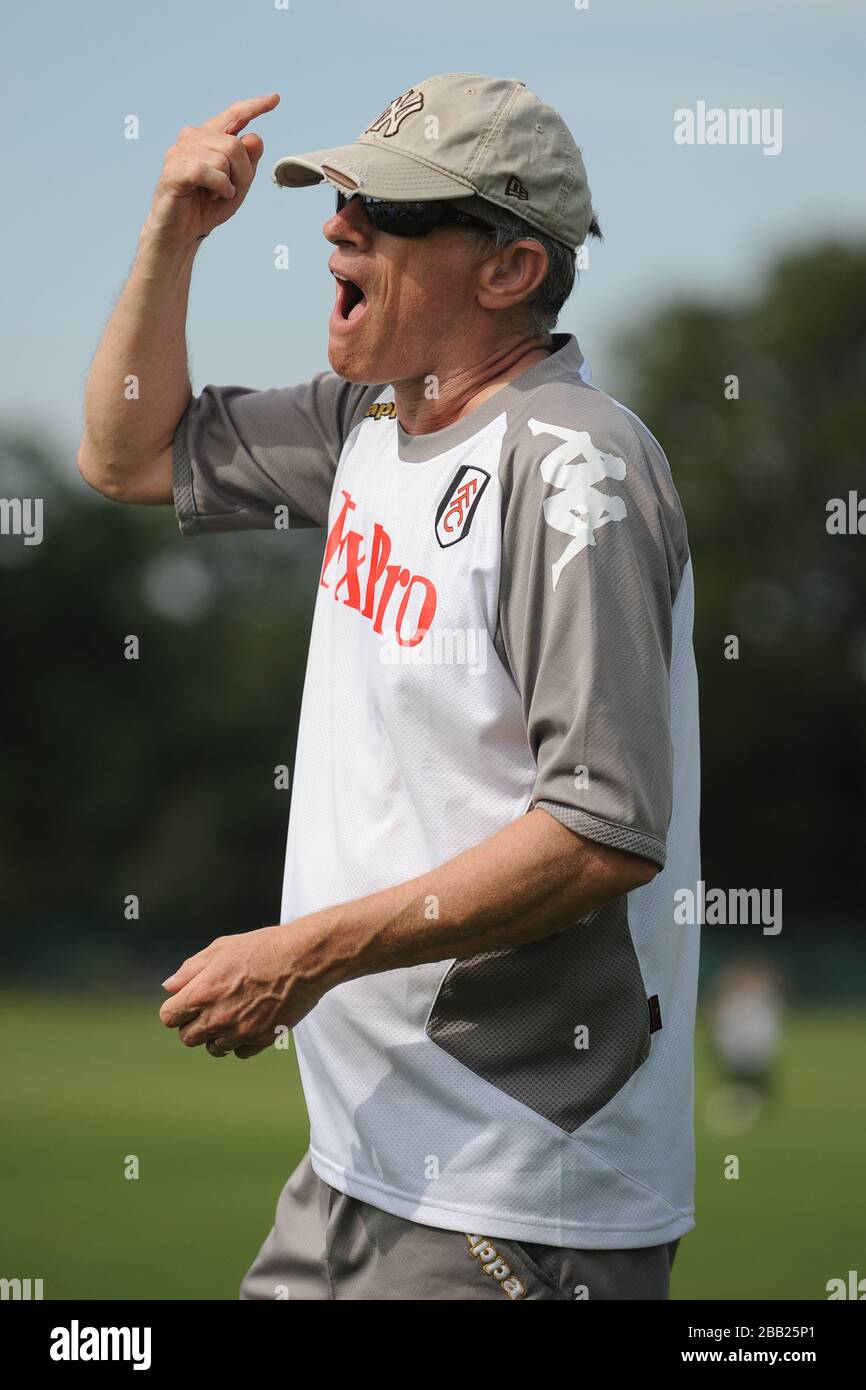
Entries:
{"x":153,"y":776}
{"x":783,"y":746}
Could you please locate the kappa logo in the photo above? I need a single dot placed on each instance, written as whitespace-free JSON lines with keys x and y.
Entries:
{"x":578,"y":509}
{"x":515,"y":189}
{"x":481,"y":1248}
{"x":459,"y":505}
{"x":382,"y":410}
{"x":396,"y":112}
{"x":370,"y":591}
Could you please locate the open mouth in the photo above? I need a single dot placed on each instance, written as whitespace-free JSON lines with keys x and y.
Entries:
{"x":351,"y":299}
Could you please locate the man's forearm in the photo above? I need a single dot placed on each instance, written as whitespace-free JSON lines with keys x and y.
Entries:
{"x":526,"y":882}
{"x":138,"y":386}
{"x":139,"y":382}
{"x":529,"y":880}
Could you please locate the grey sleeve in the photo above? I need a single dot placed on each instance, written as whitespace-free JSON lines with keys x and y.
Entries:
{"x":589,"y":572}
{"x":239,"y":454}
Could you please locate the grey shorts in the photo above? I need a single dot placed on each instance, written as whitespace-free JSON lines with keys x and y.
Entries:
{"x":326,"y":1245}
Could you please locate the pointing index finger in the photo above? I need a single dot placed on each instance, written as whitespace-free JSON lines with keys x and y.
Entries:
{"x":240,"y":113}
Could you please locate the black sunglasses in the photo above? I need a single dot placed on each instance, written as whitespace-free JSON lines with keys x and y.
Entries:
{"x":411,"y":219}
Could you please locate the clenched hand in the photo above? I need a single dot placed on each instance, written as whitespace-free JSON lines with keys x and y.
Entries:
{"x":233,"y":995}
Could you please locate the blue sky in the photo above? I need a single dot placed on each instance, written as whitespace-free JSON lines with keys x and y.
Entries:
{"x":676,"y":219}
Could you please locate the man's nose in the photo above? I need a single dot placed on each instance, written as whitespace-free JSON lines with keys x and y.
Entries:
{"x":349,"y":223}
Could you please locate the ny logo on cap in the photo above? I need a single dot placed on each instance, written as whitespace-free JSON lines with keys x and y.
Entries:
{"x":401,"y":107}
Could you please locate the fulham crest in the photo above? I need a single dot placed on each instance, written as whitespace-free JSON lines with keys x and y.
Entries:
{"x":457,"y":508}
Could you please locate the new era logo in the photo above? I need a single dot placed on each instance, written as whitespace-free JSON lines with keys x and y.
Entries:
{"x":514,"y":188}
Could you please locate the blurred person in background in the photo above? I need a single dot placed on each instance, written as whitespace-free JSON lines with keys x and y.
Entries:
{"x":745,"y":1010}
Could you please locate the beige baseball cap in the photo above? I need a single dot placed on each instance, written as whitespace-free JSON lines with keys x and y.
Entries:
{"x":461,"y":134}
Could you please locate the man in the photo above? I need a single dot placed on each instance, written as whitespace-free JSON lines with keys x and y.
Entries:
{"x":496,"y":784}
{"x":745,"y":1017}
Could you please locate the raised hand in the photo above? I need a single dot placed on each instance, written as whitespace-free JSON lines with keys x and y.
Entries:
{"x":207,"y":174}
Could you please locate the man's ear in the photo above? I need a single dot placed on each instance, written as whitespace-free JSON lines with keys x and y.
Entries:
{"x":512,"y":274}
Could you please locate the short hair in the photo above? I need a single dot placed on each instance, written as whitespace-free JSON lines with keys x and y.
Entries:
{"x":544,"y":305}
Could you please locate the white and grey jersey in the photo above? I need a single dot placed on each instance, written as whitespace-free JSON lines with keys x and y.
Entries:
{"x":503,"y":621}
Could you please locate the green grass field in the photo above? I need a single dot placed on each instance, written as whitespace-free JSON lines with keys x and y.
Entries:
{"x":87,"y":1083}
